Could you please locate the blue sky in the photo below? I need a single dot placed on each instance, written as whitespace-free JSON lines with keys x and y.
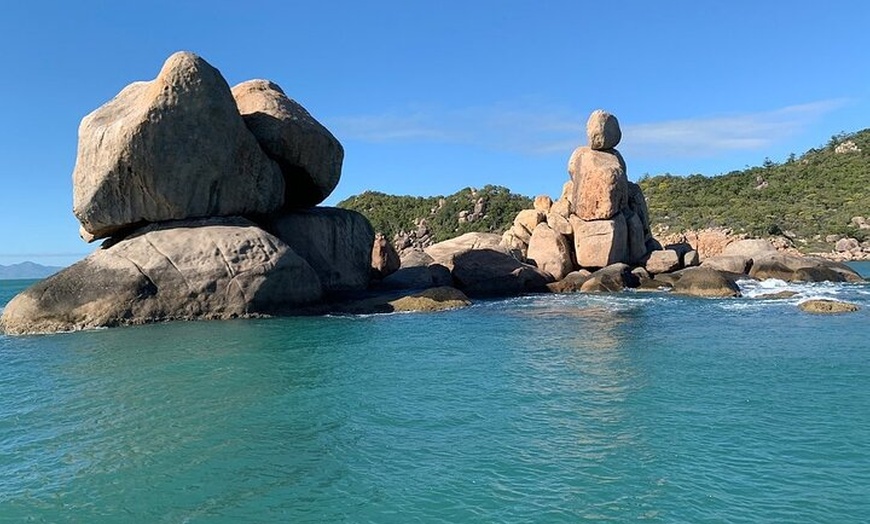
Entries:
{"x":431,"y":97}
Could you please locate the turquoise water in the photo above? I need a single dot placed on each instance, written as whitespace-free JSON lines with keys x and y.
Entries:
{"x":538,"y":409}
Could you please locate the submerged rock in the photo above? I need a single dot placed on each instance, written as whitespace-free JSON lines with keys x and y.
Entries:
{"x":428,"y":300}
{"x":824,"y":306}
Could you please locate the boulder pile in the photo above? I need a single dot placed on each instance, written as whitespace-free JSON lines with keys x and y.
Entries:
{"x":205,"y":197}
{"x":600,"y":219}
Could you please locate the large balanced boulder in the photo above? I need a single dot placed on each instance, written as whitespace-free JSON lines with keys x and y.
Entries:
{"x":199,"y":269}
{"x":550,"y":251}
{"x":169,"y":149}
{"x":309,"y":155}
{"x":600,"y":183}
{"x":336,"y":242}
{"x":602,"y":130}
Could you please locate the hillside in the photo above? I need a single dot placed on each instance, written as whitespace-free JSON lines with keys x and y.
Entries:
{"x":490,"y":209}
{"x":806,"y":197}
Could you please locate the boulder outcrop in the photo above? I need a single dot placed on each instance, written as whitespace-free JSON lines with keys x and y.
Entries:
{"x":309,"y":155}
{"x":550,"y":252}
{"x":169,"y":149}
{"x":167,"y":170}
{"x":705,"y":282}
{"x":336,"y":242}
{"x":385,"y":259}
{"x":600,"y":212}
{"x":200,"y":269}
{"x":487,"y":272}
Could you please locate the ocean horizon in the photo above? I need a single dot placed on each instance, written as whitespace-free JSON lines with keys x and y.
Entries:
{"x":541,"y":408}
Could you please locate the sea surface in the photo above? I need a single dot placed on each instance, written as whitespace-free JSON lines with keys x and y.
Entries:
{"x":596,"y":408}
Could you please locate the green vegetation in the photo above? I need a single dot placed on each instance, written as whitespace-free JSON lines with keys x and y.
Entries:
{"x":815,"y":194}
{"x":806,"y":198}
{"x":390,"y":214}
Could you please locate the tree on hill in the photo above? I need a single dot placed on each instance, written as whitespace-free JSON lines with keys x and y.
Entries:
{"x":391,"y":214}
{"x":815,"y":194}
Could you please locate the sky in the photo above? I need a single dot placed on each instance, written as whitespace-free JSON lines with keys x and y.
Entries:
{"x":430,"y":97}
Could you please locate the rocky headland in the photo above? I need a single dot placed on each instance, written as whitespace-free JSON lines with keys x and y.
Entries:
{"x":205,"y":196}
{"x":206,"y":199}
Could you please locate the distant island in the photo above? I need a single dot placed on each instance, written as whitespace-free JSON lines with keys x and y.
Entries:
{"x":27,"y":270}
{"x":814,"y":200}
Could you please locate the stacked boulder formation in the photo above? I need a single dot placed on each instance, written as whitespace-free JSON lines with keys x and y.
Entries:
{"x":205,"y":196}
{"x":600,"y":219}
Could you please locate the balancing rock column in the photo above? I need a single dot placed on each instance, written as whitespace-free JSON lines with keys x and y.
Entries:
{"x":606,"y":228}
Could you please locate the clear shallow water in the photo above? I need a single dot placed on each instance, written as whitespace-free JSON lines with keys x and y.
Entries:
{"x":536,"y":409}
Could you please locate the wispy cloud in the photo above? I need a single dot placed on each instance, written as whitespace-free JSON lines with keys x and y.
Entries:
{"x":522,"y":128}
{"x":719,"y":134}
{"x":532,"y":128}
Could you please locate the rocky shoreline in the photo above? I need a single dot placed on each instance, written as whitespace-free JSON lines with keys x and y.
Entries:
{"x":207,"y":199}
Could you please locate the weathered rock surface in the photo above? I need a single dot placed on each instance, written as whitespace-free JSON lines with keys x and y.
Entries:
{"x":336,"y":242}
{"x":199,"y":269}
{"x":751,"y":248}
{"x":663,"y":261}
{"x":824,"y":306}
{"x":413,"y":257}
{"x":705,"y":282}
{"x":428,"y":300}
{"x":559,"y":224}
{"x":636,"y":237}
{"x":543,"y":203}
{"x":309,"y":155}
{"x":599,"y":243}
{"x":528,"y":219}
{"x":172,"y":148}
{"x":611,"y":279}
{"x":600,"y":184}
{"x":779,"y":295}
{"x":444,"y":252}
{"x":730,"y":263}
{"x":418,"y":277}
{"x":572,"y":283}
{"x":809,"y":269}
{"x":550,"y":252}
{"x":846,"y":244}
{"x":487,"y":272}
{"x":433,"y":299}
{"x":385,"y":259}
{"x":637,"y":204}
{"x":602,"y":130}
